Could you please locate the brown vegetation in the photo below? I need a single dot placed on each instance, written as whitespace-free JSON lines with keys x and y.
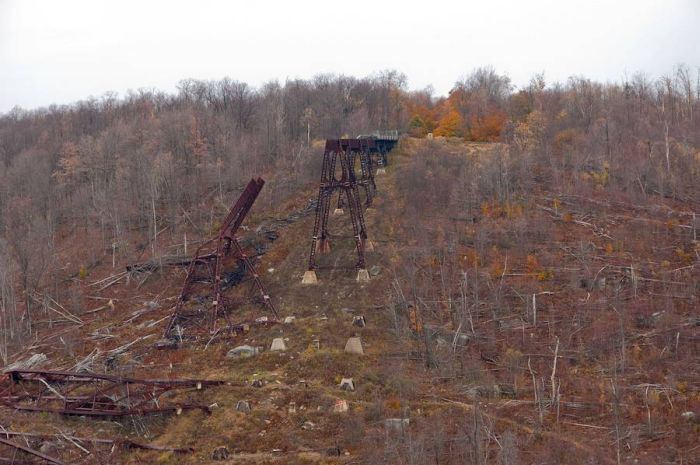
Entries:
{"x":538,"y":280}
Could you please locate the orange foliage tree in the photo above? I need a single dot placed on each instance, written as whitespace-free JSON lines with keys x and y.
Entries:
{"x":450,"y":125}
{"x":487,"y":128}
{"x":424,"y":118}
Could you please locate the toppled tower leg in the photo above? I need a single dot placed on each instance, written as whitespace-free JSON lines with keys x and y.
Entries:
{"x":206,"y":272}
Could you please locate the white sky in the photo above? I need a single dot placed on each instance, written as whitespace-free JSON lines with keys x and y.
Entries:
{"x":60,"y":51}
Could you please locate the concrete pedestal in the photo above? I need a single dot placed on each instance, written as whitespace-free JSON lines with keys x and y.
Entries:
{"x":354,"y":346}
{"x":309,"y":277}
{"x":362,"y":276}
{"x":278,"y":345}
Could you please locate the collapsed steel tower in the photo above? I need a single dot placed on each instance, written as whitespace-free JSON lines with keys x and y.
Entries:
{"x":202,"y":301}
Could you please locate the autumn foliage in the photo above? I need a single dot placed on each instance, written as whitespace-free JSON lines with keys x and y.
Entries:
{"x":450,"y":125}
{"x":489,"y":127}
{"x":476,"y":109}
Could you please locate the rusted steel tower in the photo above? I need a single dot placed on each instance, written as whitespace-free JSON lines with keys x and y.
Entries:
{"x":202,"y":301}
{"x":338,"y":175}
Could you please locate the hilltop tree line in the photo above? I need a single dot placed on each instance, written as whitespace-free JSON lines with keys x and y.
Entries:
{"x":115,"y":172}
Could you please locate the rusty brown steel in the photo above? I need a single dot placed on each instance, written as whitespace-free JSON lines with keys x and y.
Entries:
{"x":28,"y":451}
{"x":340,"y":152}
{"x":202,"y":287}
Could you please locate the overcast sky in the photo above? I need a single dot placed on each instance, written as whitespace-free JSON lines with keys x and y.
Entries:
{"x":60,"y":51}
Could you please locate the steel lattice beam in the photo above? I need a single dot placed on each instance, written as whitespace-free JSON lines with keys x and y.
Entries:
{"x":360,"y":150}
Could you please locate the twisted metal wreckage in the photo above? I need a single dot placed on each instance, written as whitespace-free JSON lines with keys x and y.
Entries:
{"x":96,"y":395}
{"x":14,"y":452}
{"x":87,"y":395}
{"x":202,"y":303}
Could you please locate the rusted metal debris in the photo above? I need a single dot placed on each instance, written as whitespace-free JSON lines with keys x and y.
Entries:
{"x":218,"y":264}
{"x":121,"y":443}
{"x":14,"y":453}
{"x":19,"y":447}
{"x":341,"y":154}
{"x":88,"y":394}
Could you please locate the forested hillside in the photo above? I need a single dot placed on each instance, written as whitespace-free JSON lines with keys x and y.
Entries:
{"x":535,"y":291}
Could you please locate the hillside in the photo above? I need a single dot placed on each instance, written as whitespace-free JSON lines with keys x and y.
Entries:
{"x":513,"y":316}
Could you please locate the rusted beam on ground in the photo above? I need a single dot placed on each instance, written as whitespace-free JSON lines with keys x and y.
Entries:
{"x":27,"y":450}
{"x":87,"y":394}
{"x":122,"y":442}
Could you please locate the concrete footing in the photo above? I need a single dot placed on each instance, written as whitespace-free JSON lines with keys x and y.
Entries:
{"x":338,"y":212}
{"x":354,"y":346}
{"x":381,"y":171}
{"x":278,"y":345}
{"x":309,"y":277}
{"x":362,"y":275}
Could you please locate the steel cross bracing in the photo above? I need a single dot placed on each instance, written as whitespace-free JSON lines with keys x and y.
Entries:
{"x":89,"y":394}
{"x":360,"y":149}
{"x":205,"y":282}
{"x":340,"y":153}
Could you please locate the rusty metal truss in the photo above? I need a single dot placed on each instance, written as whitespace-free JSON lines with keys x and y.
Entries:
{"x":338,"y":175}
{"x":218,"y":264}
{"x":97,"y":395}
{"x":360,"y":150}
